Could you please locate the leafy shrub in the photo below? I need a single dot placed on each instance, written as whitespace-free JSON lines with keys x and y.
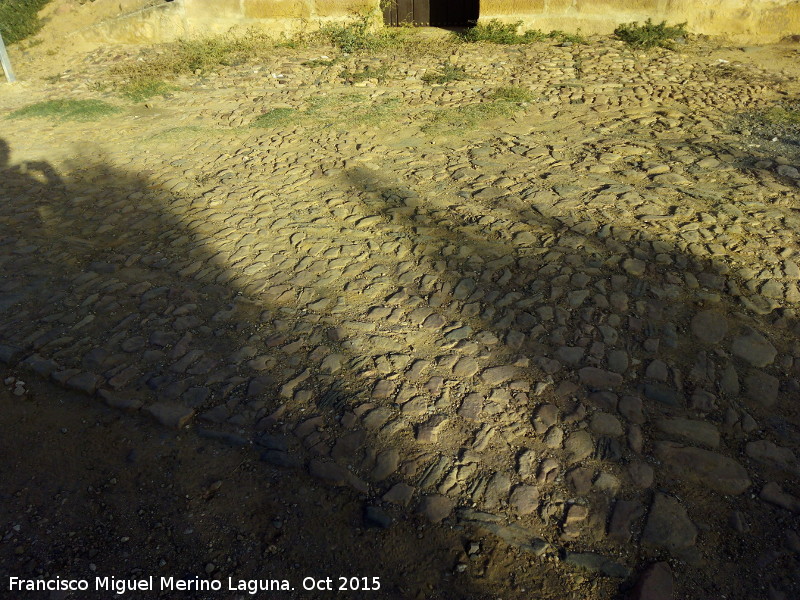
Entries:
{"x":650,"y":35}
{"x":20,"y":19}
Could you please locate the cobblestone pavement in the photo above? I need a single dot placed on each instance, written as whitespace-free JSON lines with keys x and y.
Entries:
{"x":572,"y":326}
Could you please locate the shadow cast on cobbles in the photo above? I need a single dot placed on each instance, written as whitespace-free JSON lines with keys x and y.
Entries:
{"x":102,"y":294}
{"x":102,"y":494}
{"x":527,"y":352}
{"x":599,"y":304}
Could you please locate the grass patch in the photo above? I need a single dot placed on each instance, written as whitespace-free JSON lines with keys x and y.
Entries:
{"x":275,"y":118}
{"x":319,"y":62}
{"x":380,"y":74}
{"x":447,"y":74}
{"x":513,"y":94}
{"x":349,"y":109}
{"x":187,"y":133}
{"x":151,"y":75}
{"x":19,"y":19}
{"x":503,"y":102}
{"x":650,"y":35}
{"x":66,"y":110}
{"x":375,"y":114}
{"x":778,"y":115}
{"x":497,"y":32}
{"x":564,"y":37}
{"x":462,"y":118}
{"x":145,"y":88}
{"x":186,"y":57}
{"x":293,"y":42}
{"x":344,"y":110}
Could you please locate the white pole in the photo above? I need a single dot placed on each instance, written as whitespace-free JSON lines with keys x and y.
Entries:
{"x":6,"y":62}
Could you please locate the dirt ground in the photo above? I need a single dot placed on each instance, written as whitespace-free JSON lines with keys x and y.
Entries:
{"x":88,"y":491}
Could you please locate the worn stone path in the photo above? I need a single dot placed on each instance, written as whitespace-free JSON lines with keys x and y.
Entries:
{"x":573,"y":328}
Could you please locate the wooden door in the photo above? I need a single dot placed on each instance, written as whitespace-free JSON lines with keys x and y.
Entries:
{"x":436,"y":13}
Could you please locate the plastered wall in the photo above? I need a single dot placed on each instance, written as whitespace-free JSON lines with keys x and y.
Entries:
{"x":216,"y":16}
{"x":743,"y":21}
{"x":740,"y":20}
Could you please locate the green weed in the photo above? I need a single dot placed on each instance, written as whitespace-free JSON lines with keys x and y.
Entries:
{"x":346,"y":110}
{"x":650,"y":35}
{"x":66,"y":110}
{"x":294,"y":41}
{"x":275,"y":118}
{"x":181,"y":132}
{"x":375,"y":114}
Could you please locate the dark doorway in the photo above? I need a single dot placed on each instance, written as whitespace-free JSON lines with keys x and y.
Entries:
{"x":436,"y":13}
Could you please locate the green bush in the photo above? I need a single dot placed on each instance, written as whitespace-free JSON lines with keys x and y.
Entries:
{"x":358,"y":35}
{"x":497,"y":32}
{"x":650,"y":35}
{"x":19,"y":19}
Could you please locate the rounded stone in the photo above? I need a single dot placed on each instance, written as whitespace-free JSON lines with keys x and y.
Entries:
{"x":754,"y":348}
{"x":436,"y":507}
{"x":709,"y":326}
